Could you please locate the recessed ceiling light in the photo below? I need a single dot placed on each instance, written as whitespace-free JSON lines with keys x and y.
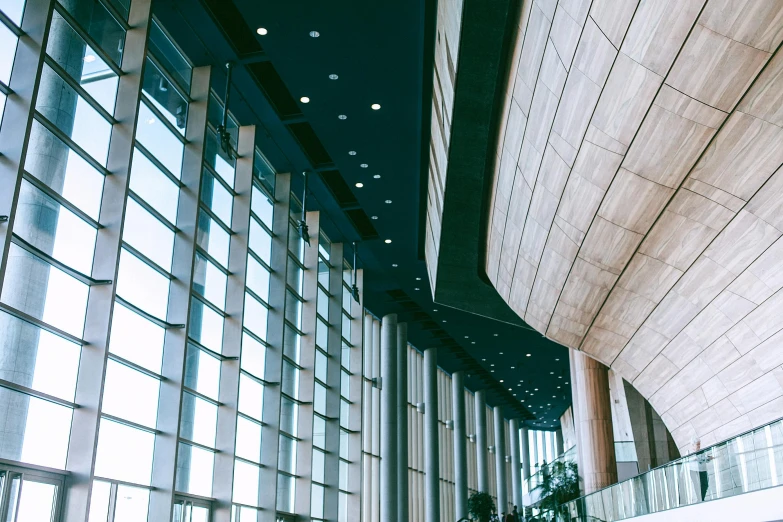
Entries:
{"x":512,"y":367}
{"x":352,"y":153}
{"x":557,"y":359}
{"x":377,"y":176}
{"x":262,"y":31}
{"x":551,"y":373}
{"x":493,"y":371}
{"x":434,"y":309}
{"x":343,"y":117}
{"x":394,"y":265}
{"x":483,"y":359}
{"x":536,"y":389}
{"x":419,"y":279}
{"x":522,"y":400}
{"x":493,"y":364}
{"x":444,"y":320}
{"x":467,"y":336}
{"x":333,"y":76}
{"x":387,"y":241}
{"x":315,"y":34}
{"x":373,"y":217}
{"x":527,"y":354}
{"x":375,"y":106}
{"x":388,"y":202}
{"x":364,"y":165}
{"x":359,"y":185}
{"x":501,"y":353}
{"x":501,"y":380}
{"x":558,"y":387}
{"x":304,"y":99}
{"x":417,"y":289}
{"x":472,"y":342}
{"x":496,"y":335}
{"x":510,"y":390}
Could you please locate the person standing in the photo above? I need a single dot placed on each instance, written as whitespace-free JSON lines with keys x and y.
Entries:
{"x":698,"y":469}
{"x":516,"y":515}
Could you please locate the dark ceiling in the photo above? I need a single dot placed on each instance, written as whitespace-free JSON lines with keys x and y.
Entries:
{"x":381,"y":53}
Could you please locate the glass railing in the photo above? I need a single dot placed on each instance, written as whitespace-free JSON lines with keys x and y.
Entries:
{"x":536,"y":478}
{"x":748,"y":462}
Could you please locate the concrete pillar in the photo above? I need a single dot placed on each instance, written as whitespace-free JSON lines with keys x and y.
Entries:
{"x":481,"y":441}
{"x":500,"y":460}
{"x":526,"y":469}
{"x":431,"y":457}
{"x":516,"y":465}
{"x":389,"y":419}
{"x":402,"y":422}
{"x":545,"y":447}
{"x":460,"y":446}
{"x":558,"y":442}
{"x":535,"y":461}
{"x":595,"y":445}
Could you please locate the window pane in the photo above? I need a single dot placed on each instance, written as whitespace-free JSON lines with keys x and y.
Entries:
{"x":132,"y":504}
{"x":291,"y":344}
{"x":317,"y":501}
{"x":154,"y":187}
{"x":209,"y":281}
{"x":36,"y":502}
{"x":255,"y":316}
{"x":294,"y":276}
{"x":262,"y":206}
{"x":322,"y":304}
{"x":168,"y":55}
{"x":86,"y":127}
{"x":13,"y":9}
{"x":215,"y":157}
{"x":54,"y":163}
{"x":344,"y":439}
{"x":130,"y":395}
{"x":202,"y":372}
{"x":321,"y":334}
{"x":346,"y":333}
{"x":289,"y":416}
{"x":124,"y":453}
{"x":287,"y":457}
{"x":343,"y":475}
{"x":102,"y":27}
{"x":293,"y":310}
{"x":253,"y":356}
{"x":148,"y":235}
{"x":318,"y":466}
{"x":164,"y":97}
{"x":251,"y":397}
{"x":342,"y":507}
{"x":285,"y":493}
{"x":99,"y":501}
{"x":246,"y":478}
{"x":37,"y":359}
{"x":257,"y":278}
{"x":198,"y":420}
{"x":44,"y":292}
{"x":319,"y":398}
{"x":8,"y":45}
{"x":345,"y":384}
{"x":212,"y":238}
{"x":290,"y":385}
{"x":36,"y":431}
{"x":158,"y":139}
{"x":136,"y":339}
{"x":194,"y":470}
{"x":323,"y":273}
{"x":206,"y":326}
{"x":248,"y":439}
{"x":345,"y":357}
{"x":91,"y":73}
{"x":263,"y":171}
{"x":260,"y":241}
{"x":321,"y":363}
{"x":39,"y":217}
{"x":319,"y":432}
{"x":216,"y":198}
{"x":141,"y":285}
{"x":344,"y":413}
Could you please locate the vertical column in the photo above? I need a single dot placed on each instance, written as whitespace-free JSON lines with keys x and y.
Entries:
{"x":389,"y":419}
{"x":356,"y":467}
{"x":558,"y":442}
{"x":274,"y":354}
{"x":431,"y":458}
{"x":460,"y":446}
{"x":525,"y":449}
{"x":545,"y":447}
{"x":500,"y":460}
{"x":225,"y":436}
{"x":402,"y":422}
{"x":481,"y":441}
{"x":367,"y":429}
{"x":92,"y":366}
{"x":375,"y":422}
{"x":595,"y":445}
{"x":535,"y":461}
{"x":516,"y":465}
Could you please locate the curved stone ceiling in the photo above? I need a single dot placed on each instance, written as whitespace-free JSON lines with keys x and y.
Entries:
{"x":637,"y":201}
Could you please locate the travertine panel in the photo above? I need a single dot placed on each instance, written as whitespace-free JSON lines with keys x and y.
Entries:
{"x":754,"y":23}
{"x":565,"y":35}
{"x":634,"y":202}
{"x":613,"y":17}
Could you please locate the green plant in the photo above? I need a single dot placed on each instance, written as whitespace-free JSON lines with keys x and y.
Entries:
{"x":559,"y":484}
{"x":481,"y":506}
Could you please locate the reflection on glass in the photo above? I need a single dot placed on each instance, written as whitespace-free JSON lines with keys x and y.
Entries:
{"x":100,"y":25}
{"x":62,"y":301}
{"x":246,"y":478}
{"x":124,"y":453}
{"x":143,"y":286}
{"x":289,"y":416}
{"x":216,"y":158}
{"x":154,"y":187}
{"x":290,"y":380}
{"x":285,"y":493}
{"x":140,"y":406}
{"x":159,"y":141}
{"x":169,"y":56}
{"x":319,"y":432}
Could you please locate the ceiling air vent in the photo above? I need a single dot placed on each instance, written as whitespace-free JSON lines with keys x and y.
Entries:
{"x":233,"y":26}
{"x":310,"y":143}
{"x":339,"y":188}
{"x":270,"y":82}
{"x":361,"y":222}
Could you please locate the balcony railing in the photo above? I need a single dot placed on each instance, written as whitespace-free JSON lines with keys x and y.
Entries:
{"x":745,"y":463}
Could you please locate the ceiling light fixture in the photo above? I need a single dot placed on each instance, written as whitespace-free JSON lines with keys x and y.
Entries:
{"x":342,"y":117}
{"x":373,"y":217}
{"x":315,"y":34}
{"x":333,"y":76}
{"x":304,"y":99}
{"x":359,"y":185}
{"x":364,"y":165}
{"x":527,"y":355}
{"x":387,"y":241}
{"x":375,"y":106}
{"x":262,"y":31}
{"x":417,"y":289}
{"x":388,"y":202}
{"x":394,"y":265}
{"x":377,"y":176}
{"x":496,"y":335}
{"x":434,"y":309}
{"x":352,"y":153}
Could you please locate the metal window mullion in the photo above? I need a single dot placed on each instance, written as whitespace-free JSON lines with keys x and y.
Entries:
{"x":185,"y":96}
{"x":5,"y":89}
{"x":18,"y":112}
{"x":223,"y":476}
{"x":146,"y":260}
{"x":46,"y":189}
{"x":273,"y":370}
{"x":160,"y":166}
{"x":75,"y":147}
{"x":204,"y":208}
{"x":88,"y":39}
{"x":263,"y":263}
{"x":11,"y":25}
{"x":176,"y":341}
{"x":334,"y":350}
{"x":211,"y":170}
{"x":162,"y":118}
{"x":261,"y":223}
{"x":92,"y":365}
{"x":206,"y":255}
{"x":149,"y":208}
{"x":78,"y":89}
{"x":54,"y":263}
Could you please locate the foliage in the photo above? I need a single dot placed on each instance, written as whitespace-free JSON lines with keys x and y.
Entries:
{"x":559,"y":485}
{"x":481,"y":506}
